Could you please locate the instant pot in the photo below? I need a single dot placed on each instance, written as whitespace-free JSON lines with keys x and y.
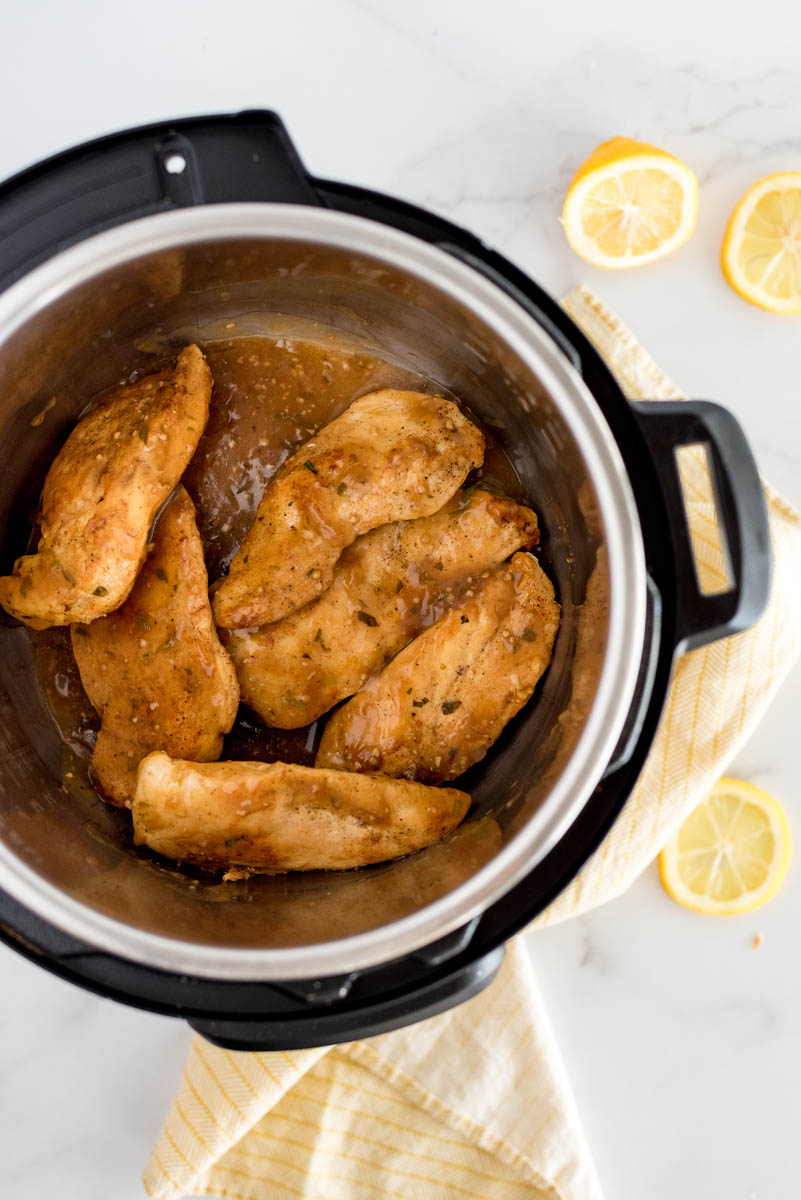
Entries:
{"x":112,"y":256}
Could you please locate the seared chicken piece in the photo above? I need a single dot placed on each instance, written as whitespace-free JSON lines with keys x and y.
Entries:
{"x":388,"y":586}
{"x":155,"y":670}
{"x":390,"y":456}
{"x":442,"y":702}
{"x":102,"y":492}
{"x":277,"y":817}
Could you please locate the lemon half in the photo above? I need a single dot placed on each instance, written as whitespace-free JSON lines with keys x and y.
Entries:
{"x":629,"y":203}
{"x":732,"y":852}
{"x":761,"y":255}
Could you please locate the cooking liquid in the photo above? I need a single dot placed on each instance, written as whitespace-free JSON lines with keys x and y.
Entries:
{"x":269,"y":397}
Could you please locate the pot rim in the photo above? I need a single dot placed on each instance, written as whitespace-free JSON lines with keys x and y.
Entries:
{"x":294,"y":222}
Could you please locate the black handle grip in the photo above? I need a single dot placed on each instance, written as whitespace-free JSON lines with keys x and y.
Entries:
{"x":200,"y":160}
{"x":741,"y":510}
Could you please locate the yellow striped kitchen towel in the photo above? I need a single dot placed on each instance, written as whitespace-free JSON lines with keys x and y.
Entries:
{"x":474,"y":1103}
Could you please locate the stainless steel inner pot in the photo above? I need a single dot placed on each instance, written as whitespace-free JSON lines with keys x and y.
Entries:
{"x":124,"y":299}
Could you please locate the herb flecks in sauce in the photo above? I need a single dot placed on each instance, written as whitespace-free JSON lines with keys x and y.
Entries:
{"x":269,"y":397}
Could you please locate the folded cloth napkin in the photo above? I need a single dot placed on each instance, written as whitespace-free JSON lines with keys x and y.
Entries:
{"x":475,"y":1103}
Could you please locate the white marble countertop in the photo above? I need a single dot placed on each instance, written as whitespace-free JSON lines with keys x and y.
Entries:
{"x":682,"y":1040}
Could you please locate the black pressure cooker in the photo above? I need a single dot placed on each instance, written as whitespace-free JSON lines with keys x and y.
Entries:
{"x":157,"y":236}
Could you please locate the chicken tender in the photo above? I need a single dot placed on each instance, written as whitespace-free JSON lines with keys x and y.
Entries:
{"x":391,"y":456}
{"x":388,"y":586}
{"x":441,"y":703}
{"x":276,"y":817}
{"x":155,"y":670}
{"x":102,"y":492}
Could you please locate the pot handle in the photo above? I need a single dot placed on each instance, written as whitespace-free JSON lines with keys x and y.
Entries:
{"x":245,"y":156}
{"x":741,"y":511}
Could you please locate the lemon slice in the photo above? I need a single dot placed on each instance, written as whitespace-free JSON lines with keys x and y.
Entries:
{"x":761,"y":255}
{"x":730,"y":854}
{"x":629,"y":203}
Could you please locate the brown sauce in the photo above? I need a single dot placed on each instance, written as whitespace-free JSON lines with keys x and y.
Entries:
{"x":269,"y":397}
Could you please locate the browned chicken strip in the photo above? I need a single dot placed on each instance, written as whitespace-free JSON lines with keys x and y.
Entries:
{"x":391,"y":456}
{"x":102,"y":492}
{"x":441,"y":703}
{"x":388,"y":586}
{"x":276,"y":817}
{"x":155,"y":670}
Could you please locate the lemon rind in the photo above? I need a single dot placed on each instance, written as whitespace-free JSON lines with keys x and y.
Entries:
{"x":587,"y":249}
{"x":750,"y":900}
{"x":735,"y":229}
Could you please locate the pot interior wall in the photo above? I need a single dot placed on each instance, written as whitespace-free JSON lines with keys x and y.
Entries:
{"x":136,"y":316}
